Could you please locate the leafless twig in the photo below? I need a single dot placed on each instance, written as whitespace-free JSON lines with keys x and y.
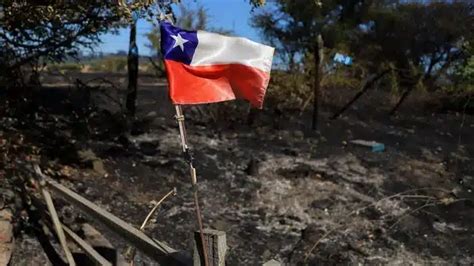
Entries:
{"x":172,"y":192}
{"x":402,"y":195}
{"x":131,"y":251}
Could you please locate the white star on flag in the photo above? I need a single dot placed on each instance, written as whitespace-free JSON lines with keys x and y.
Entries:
{"x":179,"y":41}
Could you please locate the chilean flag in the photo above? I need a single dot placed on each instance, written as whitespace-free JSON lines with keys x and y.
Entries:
{"x":204,"y":67}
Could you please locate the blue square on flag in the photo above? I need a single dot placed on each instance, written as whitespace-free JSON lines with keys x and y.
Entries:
{"x":173,"y":37}
{"x":204,"y":67}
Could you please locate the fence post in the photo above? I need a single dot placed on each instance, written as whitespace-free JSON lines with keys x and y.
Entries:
{"x":216,"y":248}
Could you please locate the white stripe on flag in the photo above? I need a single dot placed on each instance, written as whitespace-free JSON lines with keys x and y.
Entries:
{"x":215,"y":49}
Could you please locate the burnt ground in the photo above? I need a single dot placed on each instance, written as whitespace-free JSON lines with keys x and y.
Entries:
{"x":276,"y":188}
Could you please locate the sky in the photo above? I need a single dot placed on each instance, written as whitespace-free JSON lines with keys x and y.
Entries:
{"x":227,"y":14}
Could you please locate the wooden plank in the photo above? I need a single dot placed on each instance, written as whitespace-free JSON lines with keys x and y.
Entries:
{"x":54,"y":216}
{"x":103,"y":246}
{"x":216,"y":247}
{"x":86,"y":247}
{"x":57,"y":226}
{"x":90,"y":251}
{"x":159,"y":251}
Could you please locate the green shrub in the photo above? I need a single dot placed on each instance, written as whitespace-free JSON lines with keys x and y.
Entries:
{"x":288,"y":90}
{"x":340,"y":80}
{"x":295,"y":90}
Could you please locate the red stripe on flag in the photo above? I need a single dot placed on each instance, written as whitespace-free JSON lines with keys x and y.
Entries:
{"x":216,"y":83}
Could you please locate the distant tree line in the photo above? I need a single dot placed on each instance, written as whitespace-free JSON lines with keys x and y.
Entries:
{"x":409,"y":43}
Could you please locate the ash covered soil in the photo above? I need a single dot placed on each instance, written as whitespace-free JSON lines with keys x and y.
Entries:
{"x":279,"y":190}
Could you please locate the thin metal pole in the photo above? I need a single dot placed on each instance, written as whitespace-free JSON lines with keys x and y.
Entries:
{"x":189,"y":159}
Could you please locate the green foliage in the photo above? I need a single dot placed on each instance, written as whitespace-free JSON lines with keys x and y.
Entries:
{"x":257,"y":3}
{"x":422,"y":40}
{"x":293,"y":25}
{"x":288,"y":90}
{"x":195,"y":19}
{"x":53,"y":32}
{"x":66,"y":67}
{"x":341,"y":79}
{"x":292,"y":90}
{"x":110,"y":64}
{"x":154,"y":40}
{"x":465,"y":70}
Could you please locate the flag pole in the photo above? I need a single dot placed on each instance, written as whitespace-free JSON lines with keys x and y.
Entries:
{"x":189,"y":159}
